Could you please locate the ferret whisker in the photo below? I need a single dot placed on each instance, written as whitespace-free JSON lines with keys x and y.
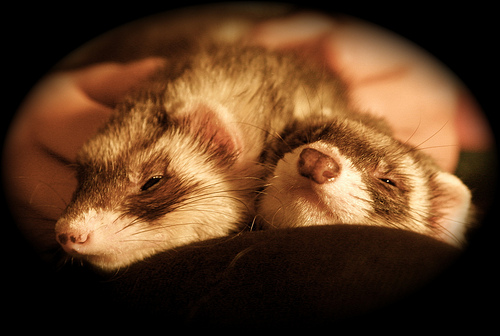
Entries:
{"x":203,"y":208}
{"x":130,"y":224}
{"x":271,"y":132}
{"x":227,"y":180}
{"x":273,"y":195}
{"x":441,"y":229}
{"x":211,"y":196}
{"x":200,"y":210}
{"x":438,"y":228}
{"x":48,"y":185}
{"x":268,"y":167}
{"x":50,"y":206}
{"x":415,"y":131}
{"x":156,"y":228}
{"x":431,"y":147}
{"x":251,"y":226}
{"x":273,"y":218}
{"x":158,"y":242}
{"x":433,"y":134}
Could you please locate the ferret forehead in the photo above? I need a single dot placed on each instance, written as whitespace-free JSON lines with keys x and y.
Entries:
{"x":325,"y":147}
{"x":364,"y":144}
{"x":102,"y":148}
{"x":352,"y":133}
{"x":143,"y":155}
{"x":115,"y":144}
{"x":175,"y":152}
{"x":130,"y":124}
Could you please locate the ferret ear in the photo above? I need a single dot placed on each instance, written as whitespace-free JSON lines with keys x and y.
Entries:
{"x":209,"y":123}
{"x":452,"y":203}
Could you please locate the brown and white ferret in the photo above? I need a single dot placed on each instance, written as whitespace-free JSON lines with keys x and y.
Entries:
{"x":351,"y":170}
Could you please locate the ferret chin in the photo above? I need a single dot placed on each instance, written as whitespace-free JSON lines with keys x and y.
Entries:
{"x":111,"y":241}
{"x":352,"y":171}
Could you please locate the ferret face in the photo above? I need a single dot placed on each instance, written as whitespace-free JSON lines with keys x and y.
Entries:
{"x":350,"y":173}
{"x":139,"y":195}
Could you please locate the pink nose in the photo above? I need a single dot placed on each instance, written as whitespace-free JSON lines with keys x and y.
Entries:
{"x":317,"y":166}
{"x":72,"y":241}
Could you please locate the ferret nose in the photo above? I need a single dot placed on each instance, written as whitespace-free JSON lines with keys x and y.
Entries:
{"x":317,"y":166}
{"x":71,"y":241}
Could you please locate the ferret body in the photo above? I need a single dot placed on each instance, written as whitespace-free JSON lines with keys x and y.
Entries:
{"x":351,"y":170}
{"x":179,"y":159}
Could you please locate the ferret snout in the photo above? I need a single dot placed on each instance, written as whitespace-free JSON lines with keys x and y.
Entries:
{"x":78,"y":236}
{"x":72,"y":240}
{"x":317,"y":166}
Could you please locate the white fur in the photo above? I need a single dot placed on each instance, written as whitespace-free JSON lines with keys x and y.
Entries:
{"x":418,"y":195}
{"x":454,"y":200}
{"x":294,"y":200}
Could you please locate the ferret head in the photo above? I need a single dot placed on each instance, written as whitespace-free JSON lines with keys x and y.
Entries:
{"x":147,"y":183}
{"x":354,"y":172}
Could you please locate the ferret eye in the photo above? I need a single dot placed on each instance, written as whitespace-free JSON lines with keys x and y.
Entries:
{"x":151,"y":182}
{"x":388,"y":181}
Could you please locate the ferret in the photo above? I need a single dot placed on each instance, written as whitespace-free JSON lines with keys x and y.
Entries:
{"x":180,"y":159}
{"x":351,"y":170}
